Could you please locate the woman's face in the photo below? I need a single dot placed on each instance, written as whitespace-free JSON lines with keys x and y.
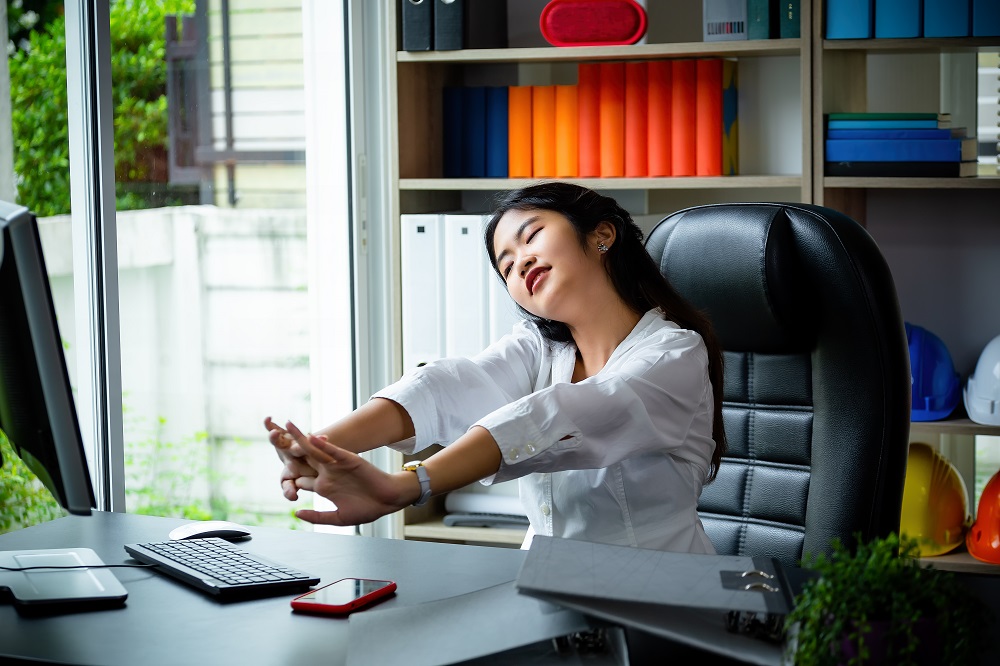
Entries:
{"x":547,"y":271}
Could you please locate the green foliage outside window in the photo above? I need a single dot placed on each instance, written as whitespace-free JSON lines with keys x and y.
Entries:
{"x":39,"y":106}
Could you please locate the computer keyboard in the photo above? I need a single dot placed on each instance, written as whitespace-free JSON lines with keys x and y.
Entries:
{"x":215,"y":566}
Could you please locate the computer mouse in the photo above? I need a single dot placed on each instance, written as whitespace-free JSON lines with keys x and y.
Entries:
{"x":210,"y":528}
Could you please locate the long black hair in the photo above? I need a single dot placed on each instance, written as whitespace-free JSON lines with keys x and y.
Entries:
{"x":634,"y":275}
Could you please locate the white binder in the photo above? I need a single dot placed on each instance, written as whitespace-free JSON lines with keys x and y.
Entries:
{"x":422,"y":273}
{"x":466,"y":293}
{"x":503,"y":310}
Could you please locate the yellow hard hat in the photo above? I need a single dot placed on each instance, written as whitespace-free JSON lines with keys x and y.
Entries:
{"x":935,"y":502}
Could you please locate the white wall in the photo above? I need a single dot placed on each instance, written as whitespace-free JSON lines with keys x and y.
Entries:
{"x":215,"y":336}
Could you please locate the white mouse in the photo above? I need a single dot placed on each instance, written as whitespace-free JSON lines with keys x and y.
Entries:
{"x":210,"y":528}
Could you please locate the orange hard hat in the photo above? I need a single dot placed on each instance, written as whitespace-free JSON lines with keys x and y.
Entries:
{"x":983,"y":540}
{"x":935,"y":502}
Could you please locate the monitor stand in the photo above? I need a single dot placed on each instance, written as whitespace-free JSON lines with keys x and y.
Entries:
{"x":43,"y":591}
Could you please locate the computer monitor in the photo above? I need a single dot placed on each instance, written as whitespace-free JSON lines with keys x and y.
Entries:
{"x":37,"y":411}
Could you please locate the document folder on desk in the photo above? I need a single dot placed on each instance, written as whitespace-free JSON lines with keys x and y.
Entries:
{"x":679,"y":596}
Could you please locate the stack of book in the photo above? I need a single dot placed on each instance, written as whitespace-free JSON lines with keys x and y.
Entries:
{"x":620,"y":120}
{"x":898,"y":144}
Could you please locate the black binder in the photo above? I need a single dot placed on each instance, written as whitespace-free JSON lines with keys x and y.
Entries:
{"x":417,"y":24}
{"x":449,"y":19}
{"x":684,"y":597}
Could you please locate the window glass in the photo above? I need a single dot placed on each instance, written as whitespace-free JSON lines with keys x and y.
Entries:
{"x":210,"y":185}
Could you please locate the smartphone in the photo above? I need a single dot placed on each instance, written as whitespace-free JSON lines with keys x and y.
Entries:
{"x":343,"y":596}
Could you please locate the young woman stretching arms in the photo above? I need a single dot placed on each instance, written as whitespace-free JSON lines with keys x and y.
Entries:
{"x":606,"y":401}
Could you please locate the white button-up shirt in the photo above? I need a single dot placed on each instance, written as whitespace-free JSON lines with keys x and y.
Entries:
{"x":618,"y":458}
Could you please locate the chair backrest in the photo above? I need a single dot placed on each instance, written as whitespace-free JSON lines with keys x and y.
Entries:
{"x":817,"y":380}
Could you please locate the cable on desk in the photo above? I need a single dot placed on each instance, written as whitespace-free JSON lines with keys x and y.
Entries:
{"x":82,"y":566}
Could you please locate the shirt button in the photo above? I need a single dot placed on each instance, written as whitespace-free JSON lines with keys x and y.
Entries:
{"x":514,"y":453}
{"x":545,"y":509}
{"x":529,"y":448}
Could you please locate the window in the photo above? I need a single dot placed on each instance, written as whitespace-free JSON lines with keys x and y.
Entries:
{"x":229,"y":296}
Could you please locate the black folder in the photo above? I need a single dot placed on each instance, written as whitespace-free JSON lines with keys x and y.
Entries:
{"x":449,"y":19}
{"x":417,"y":25}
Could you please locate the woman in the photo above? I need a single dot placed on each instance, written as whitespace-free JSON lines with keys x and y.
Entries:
{"x":606,"y":401}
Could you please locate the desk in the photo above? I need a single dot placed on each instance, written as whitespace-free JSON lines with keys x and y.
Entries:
{"x":167,"y":622}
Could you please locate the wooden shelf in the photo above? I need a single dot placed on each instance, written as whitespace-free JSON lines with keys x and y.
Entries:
{"x":679,"y":183}
{"x":761,"y":47}
{"x":961,"y":561}
{"x":916,"y":45}
{"x":960,"y":426}
{"x":972,"y":183}
{"x":438,"y":531}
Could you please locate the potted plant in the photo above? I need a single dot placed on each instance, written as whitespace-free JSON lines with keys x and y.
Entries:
{"x":879,"y":604}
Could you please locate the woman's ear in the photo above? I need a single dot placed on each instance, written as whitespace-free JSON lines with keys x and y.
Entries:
{"x":604,"y":234}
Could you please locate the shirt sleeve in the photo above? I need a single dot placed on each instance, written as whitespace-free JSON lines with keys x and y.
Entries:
{"x":446,"y":397}
{"x":647,"y":402}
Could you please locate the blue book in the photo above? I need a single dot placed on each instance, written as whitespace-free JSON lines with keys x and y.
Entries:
{"x":886,"y":124}
{"x":451,"y":125}
{"x":947,"y":18}
{"x":901,"y":150}
{"x":849,"y":19}
{"x":474,"y":132}
{"x":496,"y":132}
{"x":898,"y":18}
{"x":956,"y":133}
{"x":985,"y":18}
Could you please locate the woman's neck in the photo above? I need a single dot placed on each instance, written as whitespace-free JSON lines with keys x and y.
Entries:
{"x":597,"y":338}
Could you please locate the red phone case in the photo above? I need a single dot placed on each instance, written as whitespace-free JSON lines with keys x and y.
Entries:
{"x":299,"y":603}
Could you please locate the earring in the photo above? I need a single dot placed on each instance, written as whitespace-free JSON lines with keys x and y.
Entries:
{"x":602,"y":248}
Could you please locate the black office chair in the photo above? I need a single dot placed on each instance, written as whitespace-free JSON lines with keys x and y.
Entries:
{"x":817,"y":386}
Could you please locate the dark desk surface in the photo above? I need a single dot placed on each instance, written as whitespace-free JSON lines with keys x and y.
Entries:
{"x":166,"y":622}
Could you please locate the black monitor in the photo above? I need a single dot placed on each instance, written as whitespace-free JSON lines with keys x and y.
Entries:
{"x":37,"y":411}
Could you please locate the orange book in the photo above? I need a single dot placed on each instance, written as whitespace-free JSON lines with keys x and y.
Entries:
{"x":682,"y":118}
{"x":708,"y":117}
{"x":519,"y":131}
{"x":612,"y":119}
{"x":658,"y":74}
{"x":589,"y":104}
{"x":543,"y":131}
{"x":636,"y":110}
{"x":567,"y":132}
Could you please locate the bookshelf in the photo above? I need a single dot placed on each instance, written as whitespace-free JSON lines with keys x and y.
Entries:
{"x":831,"y":76}
{"x":840,"y":70}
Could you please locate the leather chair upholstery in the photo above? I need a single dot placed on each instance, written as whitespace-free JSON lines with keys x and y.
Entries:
{"x":817,"y":380}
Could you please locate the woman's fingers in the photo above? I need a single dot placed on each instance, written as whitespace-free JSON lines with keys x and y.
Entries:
{"x":321,"y":517}
{"x":318,"y":448}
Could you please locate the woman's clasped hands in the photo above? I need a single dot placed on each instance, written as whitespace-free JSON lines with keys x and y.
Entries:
{"x":360,"y":491}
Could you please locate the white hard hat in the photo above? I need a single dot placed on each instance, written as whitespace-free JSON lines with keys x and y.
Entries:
{"x":982,"y":392}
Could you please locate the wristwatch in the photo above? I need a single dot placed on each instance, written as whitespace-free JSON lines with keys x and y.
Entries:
{"x":425,"y":480}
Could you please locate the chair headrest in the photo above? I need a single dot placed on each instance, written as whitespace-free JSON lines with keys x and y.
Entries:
{"x":738,"y":263}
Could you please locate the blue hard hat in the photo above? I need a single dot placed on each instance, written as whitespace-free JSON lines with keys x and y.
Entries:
{"x":935,"y":384}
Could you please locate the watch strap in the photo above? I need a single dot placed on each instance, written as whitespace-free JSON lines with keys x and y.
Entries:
{"x":418,"y":468}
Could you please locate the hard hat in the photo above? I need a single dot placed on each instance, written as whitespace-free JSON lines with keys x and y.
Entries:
{"x":933,"y":379}
{"x":982,"y":392}
{"x":935,"y":502}
{"x":983,"y":539}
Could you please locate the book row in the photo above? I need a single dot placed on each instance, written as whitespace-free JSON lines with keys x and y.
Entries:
{"x":865,"y":19}
{"x":620,"y":120}
{"x":897,"y":144}
{"x":730,"y":20}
